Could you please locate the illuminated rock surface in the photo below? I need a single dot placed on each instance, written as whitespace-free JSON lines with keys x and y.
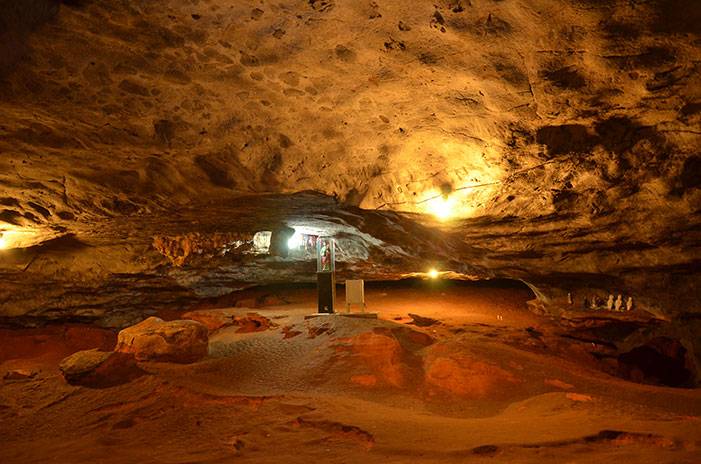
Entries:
{"x":157,"y":340}
{"x":156,"y":157}
{"x":99,"y":369}
{"x":136,"y":134}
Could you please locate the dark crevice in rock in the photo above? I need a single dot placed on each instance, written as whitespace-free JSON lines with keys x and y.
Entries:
{"x":660,"y":361}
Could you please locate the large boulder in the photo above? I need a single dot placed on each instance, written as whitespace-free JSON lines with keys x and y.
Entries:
{"x":157,"y":340}
{"x":95,"y":368}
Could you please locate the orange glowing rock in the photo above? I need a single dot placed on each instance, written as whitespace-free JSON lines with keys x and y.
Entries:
{"x":459,"y":373}
{"x":578,"y":397}
{"x":364,"y":380}
{"x":558,"y":384}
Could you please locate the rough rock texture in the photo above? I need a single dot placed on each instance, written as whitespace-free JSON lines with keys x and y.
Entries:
{"x":215,"y":319}
{"x":157,"y":340}
{"x":383,"y":356}
{"x":144,"y":145}
{"x":95,"y":368}
{"x":448,"y":370}
{"x":19,"y":374}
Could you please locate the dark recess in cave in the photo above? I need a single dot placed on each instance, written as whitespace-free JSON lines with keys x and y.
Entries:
{"x":661,"y":361}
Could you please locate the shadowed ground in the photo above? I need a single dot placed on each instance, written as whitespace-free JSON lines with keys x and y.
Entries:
{"x":486,"y":380}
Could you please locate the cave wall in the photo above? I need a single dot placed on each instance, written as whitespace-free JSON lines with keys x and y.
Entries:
{"x":567,"y":132}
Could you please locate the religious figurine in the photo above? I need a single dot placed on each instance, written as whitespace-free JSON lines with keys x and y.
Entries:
{"x":619,"y":303}
{"x":325,"y":257}
{"x":595,"y":303}
{"x":609,"y":303}
{"x":569,"y":298}
{"x":629,"y":303}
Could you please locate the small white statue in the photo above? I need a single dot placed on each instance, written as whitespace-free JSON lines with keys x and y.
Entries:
{"x":629,"y":303}
{"x":569,"y":298}
{"x":609,"y":303}
{"x":619,"y":303}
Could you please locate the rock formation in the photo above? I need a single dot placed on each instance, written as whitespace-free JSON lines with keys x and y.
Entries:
{"x":95,"y":368}
{"x":145,"y":146}
{"x":159,"y":160}
{"x":156,"y":340}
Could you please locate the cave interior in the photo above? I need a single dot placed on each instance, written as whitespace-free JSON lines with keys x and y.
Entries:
{"x":517,"y":182}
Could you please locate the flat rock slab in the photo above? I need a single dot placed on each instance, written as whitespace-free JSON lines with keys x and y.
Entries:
{"x":157,"y":340}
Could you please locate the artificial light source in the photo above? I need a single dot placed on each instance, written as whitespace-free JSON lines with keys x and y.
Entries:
{"x":433,"y":273}
{"x":17,"y":237}
{"x":442,"y":206}
{"x":295,"y":241}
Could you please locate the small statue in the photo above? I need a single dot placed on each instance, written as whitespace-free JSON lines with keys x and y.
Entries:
{"x":629,"y":303}
{"x":609,"y":303}
{"x":619,"y":303}
{"x":569,"y":298}
{"x":325,"y":257}
{"x":595,"y":303}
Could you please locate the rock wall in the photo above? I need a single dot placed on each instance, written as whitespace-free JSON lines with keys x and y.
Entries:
{"x":565,"y":132}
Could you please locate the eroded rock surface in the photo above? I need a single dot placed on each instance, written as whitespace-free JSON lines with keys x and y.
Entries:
{"x":95,"y":368}
{"x":144,"y":146}
{"x":156,"y":340}
{"x":216,"y":319}
{"x":449,"y":369}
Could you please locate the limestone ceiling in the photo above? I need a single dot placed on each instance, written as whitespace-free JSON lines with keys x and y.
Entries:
{"x":586,"y":112}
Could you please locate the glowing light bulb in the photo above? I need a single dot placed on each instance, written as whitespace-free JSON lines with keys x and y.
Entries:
{"x":433,"y":273}
{"x":442,"y":207}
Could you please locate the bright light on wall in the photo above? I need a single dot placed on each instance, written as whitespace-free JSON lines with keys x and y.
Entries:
{"x":261,"y":241}
{"x":295,"y":241}
{"x":433,"y":273}
{"x":442,"y":206}
{"x":22,"y":238}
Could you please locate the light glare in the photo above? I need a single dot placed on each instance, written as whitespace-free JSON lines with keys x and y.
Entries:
{"x":433,"y":273}
{"x":442,"y":207}
{"x":295,"y":241}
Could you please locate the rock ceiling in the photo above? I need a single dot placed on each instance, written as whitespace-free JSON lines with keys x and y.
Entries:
{"x":567,"y":134}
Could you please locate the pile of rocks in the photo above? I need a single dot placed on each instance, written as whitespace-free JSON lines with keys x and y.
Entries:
{"x":153,"y":339}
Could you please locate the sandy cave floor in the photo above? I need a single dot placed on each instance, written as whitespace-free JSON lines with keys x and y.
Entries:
{"x":473,"y":388}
